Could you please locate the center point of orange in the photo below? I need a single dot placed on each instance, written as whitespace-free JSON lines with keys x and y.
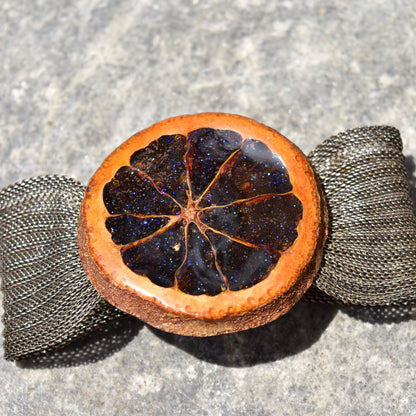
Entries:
{"x":191,"y":214}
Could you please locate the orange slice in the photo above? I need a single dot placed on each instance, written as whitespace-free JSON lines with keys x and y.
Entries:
{"x":203,"y":224}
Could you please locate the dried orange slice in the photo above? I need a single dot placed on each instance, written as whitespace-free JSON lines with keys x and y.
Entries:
{"x":203,"y":224}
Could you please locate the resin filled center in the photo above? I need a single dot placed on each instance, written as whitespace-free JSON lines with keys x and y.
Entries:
{"x":205,"y":213}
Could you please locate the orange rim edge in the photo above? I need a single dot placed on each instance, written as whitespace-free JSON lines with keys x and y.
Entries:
{"x":172,"y":310}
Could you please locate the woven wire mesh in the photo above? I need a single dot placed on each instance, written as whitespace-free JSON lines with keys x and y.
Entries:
{"x":47,"y":298}
{"x":370,"y":255}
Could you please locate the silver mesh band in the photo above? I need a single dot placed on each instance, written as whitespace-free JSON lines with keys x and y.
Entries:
{"x":47,"y":298}
{"x":370,"y":255}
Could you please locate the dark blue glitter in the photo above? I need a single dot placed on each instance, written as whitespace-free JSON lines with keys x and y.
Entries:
{"x":131,"y":193}
{"x":159,"y":257}
{"x":199,"y":275}
{"x":239,"y":189}
{"x":252,"y":171}
{"x":126,"y":228}
{"x":164,"y":161}
{"x":209,"y":149}
{"x":243,"y":266}
{"x":268,"y":222}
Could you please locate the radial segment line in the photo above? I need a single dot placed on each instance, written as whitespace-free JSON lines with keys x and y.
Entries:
{"x":187,"y":162}
{"x":166,"y":227}
{"x":150,"y":179}
{"x":226,"y":164}
{"x":240,"y":201}
{"x":243,"y":242}
{"x":143,"y":216}
{"x":218,"y":267}
{"x":185,"y":257}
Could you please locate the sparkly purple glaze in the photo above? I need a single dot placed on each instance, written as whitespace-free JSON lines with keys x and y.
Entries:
{"x":208,"y":212}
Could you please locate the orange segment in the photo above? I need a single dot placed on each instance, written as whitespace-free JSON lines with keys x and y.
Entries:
{"x":203,"y":224}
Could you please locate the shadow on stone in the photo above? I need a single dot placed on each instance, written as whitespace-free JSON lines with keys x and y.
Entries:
{"x":384,"y":314}
{"x":91,"y":348}
{"x":292,"y":333}
{"x":381,"y":314}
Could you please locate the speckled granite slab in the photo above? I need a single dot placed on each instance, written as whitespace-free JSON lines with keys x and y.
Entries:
{"x":79,"y":77}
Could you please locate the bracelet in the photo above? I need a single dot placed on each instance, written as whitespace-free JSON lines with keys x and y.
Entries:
{"x":207,"y":224}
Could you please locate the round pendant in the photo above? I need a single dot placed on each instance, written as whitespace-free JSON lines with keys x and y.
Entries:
{"x":203,"y":224}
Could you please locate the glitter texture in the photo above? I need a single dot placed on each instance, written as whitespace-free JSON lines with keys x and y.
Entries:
{"x":206,"y":213}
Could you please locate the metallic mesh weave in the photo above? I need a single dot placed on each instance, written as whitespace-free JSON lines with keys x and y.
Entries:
{"x":370,"y":256}
{"x":48,"y":300}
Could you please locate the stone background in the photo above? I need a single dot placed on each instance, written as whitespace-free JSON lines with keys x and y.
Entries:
{"x":79,"y":77}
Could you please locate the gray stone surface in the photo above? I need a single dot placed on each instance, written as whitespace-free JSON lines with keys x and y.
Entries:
{"x":79,"y":77}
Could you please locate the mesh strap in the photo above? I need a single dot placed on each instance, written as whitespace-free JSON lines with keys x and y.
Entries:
{"x":370,"y":256}
{"x":48,"y":301}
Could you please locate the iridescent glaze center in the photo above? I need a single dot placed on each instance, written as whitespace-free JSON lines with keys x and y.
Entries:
{"x":206,"y":212}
